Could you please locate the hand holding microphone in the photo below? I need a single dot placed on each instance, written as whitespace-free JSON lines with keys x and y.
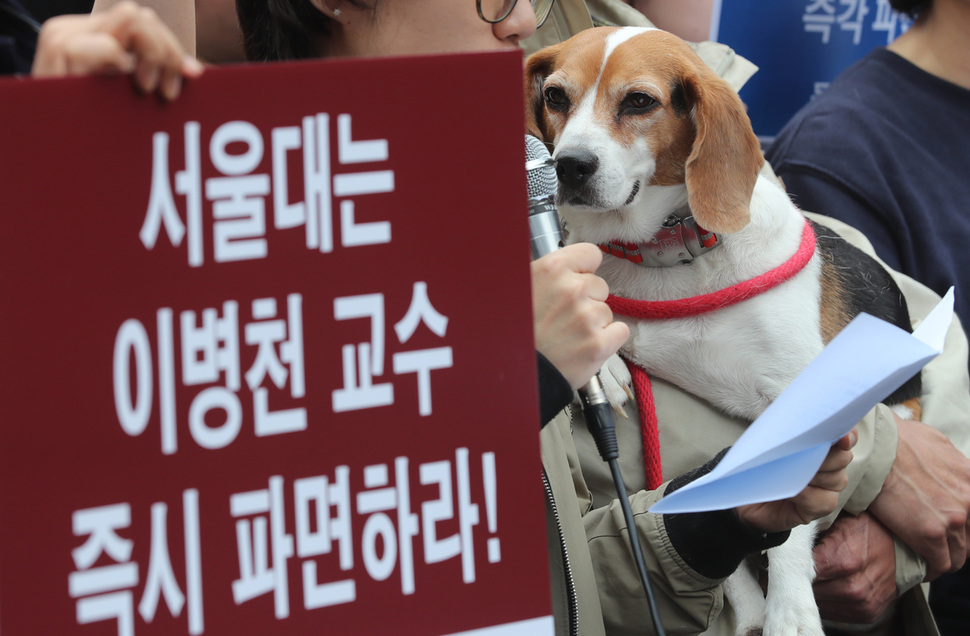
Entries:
{"x":574,"y":327}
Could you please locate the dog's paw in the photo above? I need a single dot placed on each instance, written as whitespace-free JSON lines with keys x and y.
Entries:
{"x":795,"y":621}
{"x":792,"y":611}
{"x":743,"y":592}
{"x":617,"y":383}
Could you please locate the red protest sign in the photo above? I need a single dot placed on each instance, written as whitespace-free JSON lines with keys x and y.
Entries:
{"x":267,"y":354}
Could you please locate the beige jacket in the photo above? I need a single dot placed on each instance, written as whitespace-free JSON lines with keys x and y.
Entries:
{"x":601,"y":575}
{"x":691,"y":432}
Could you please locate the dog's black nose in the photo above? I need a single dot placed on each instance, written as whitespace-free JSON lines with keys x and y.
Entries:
{"x":575,"y":168}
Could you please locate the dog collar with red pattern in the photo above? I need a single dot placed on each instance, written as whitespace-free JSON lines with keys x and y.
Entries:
{"x":678,"y":242}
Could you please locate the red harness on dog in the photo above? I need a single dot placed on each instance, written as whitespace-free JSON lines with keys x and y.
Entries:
{"x":662,"y":309}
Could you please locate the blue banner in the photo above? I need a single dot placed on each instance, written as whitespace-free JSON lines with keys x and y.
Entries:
{"x":799,"y":47}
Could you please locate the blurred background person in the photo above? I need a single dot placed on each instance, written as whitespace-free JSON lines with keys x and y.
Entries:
{"x":885,"y":148}
{"x":213,"y":34}
{"x":218,"y":37}
{"x":688,"y":19}
{"x":18,"y":38}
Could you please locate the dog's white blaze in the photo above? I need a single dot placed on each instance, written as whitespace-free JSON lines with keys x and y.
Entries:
{"x":581,"y":128}
{"x":584,"y":112}
{"x":617,"y":38}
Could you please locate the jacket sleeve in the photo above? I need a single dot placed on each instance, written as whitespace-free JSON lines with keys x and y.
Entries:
{"x":555,"y":394}
{"x":689,"y":556}
{"x":594,"y":578}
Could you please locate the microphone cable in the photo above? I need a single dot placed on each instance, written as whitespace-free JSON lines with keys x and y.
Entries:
{"x":599,"y":420}
{"x":546,"y":237}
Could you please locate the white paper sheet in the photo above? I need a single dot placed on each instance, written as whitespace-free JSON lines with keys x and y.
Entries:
{"x":781,"y":451}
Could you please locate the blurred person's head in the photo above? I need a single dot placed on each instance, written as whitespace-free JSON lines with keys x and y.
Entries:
{"x":295,"y":29}
{"x":687,"y":19}
{"x":218,"y":38}
{"x":911,"y":8}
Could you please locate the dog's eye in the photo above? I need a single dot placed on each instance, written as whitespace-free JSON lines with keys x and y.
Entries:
{"x":556,"y":98}
{"x":638,"y":102}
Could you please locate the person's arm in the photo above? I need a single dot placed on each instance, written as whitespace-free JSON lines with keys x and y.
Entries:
{"x":574,"y":328}
{"x":179,"y":15}
{"x":857,"y":585}
{"x":855,"y":570}
{"x":926,"y":498}
{"x":692,"y":553}
{"x":817,"y":500}
{"x":555,"y":394}
{"x":861,"y":567}
{"x":126,"y":39}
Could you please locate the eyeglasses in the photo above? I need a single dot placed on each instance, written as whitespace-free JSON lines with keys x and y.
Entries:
{"x":494,"y":11}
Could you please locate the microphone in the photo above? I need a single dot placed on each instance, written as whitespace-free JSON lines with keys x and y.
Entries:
{"x":545,"y":232}
{"x":540,"y":171}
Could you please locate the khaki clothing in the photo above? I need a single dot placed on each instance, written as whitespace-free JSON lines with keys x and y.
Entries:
{"x":607,"y":586}
{"x":601,"y":572}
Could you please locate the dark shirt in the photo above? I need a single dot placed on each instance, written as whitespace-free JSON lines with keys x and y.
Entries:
{"x":18,"y":38}
{"x":886,"y":148}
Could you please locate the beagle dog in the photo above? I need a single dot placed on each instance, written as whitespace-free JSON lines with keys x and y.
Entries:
{"x":728,"y":289}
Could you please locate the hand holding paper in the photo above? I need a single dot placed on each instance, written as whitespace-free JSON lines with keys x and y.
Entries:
{"x":779,"y":453}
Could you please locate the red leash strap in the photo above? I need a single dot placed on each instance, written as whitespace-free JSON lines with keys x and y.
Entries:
{"x":649,"y":430}
{"x":716,"y":300}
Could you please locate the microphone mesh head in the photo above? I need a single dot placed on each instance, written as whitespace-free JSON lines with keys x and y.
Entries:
{"x":539,"y":169}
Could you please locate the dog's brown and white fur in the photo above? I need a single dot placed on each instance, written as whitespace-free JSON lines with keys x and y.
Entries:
{"x":641,"y":129}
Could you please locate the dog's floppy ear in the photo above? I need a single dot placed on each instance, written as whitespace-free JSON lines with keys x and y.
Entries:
{"x":726,"y":157}
{"x":538,"y":67}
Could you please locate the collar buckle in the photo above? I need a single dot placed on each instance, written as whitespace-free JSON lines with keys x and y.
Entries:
{"x":679,"y":241}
